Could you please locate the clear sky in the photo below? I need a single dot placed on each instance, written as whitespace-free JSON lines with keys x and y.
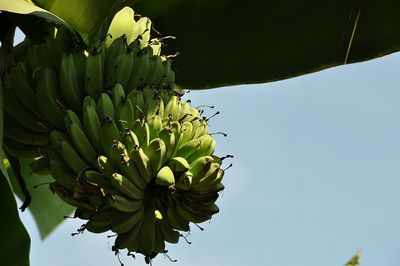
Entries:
{"x":316,"y":177}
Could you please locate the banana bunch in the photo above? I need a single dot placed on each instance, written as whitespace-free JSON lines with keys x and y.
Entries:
{"x":122,"y":146}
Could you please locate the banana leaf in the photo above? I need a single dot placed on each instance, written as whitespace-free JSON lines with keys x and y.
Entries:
{"x":14,"y":237}
{"x":229,"y":42}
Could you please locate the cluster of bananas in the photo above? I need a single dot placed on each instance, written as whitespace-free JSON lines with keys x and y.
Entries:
{"x":122,"y":146}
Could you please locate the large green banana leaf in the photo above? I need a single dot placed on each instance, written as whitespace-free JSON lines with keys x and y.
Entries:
{"x":15,"y":241}
{"x":228,"y":42}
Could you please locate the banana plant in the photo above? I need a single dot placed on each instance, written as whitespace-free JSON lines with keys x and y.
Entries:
{"x":218,"y":43}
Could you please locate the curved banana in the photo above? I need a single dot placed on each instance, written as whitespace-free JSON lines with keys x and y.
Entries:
{"x":69,"y":82}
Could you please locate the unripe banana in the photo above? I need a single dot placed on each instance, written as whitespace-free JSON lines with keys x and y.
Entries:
{"x":82,"y":144}
{"x":156,"y":152}
{"x":126,"y":187}
{"x":63,"y":174}
{"x":48,"y":97}
{"x":92,"y":126}
{"x":71,"y":157}
{"x":185,"y":181}
{"x":121,"y":143}
{"x":94,"y":72}
{"x":140,"y":68}
{"x":123,"y":204}
{"x":69,"y":82}
{"x":117,"y":93}
{"x":146,"y":236}
{"x":105,"y":107}
{"x":167,"y":232}
{"x":125,"y":114}
{"x":178,"y":164}
{"x":16,"y":110}
{"x":23,"y":89}
{"x":126,"y":221}
{"x":142,"y":163}
{"x":109,"y":132}
{"x":165,"y":177}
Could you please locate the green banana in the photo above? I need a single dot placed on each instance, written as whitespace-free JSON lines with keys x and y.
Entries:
{"x":188,"y":213}
{"x":23,"y":89}
{"x":105,"y":165}
{"x":126,"y":187}
{"x":94,"y":69}
{"x":118,"y":153}
{"x":95,"y":178}
{"x":123,"y":65}
{"x":146,"y":234}
{"x":155,"y":73}
{"x":123,"y":204}
{"x":175,"y":219}
{"x":186,"y":130}
{"x":200,"y":165}
{"x":103,"y":217}
{"x":159,"y":244}
{"x":117,"y":47}
{"x":130,"y":139}
{"x":82,"y":144}
{"x":117,"y":94}
{"x":69,"y":82}
{"x":92,"y":126}
{"x":71,"y":157}
{"x":178,"y":164}
{"x":48,"y":99}
{"x":137,"y":101}
{"x":97,"y":229}
{"x":66,"y":196}
{"x":209,"y":182}
{"x":109,"y":132}
{"x":18,"y":149}
{"x":169,"y":140}
{"x":20,"y":133}
{"x":172,"y":107}
{"x":15,"y":110}
{"x":140,"y":68}
{"x":63,"y":174}
{"x":187,"y":149}
{"x":165,"y":177}
{"x":132,"y":173}
{"x":70,"y":117}
{"x":129,"y":239}
{"x":167,"y":232}
{"x":125,"y":114}
{"x":142,"y":163}
{"x":156,"y":152}
{"x":56,"y":137}
{"x":142,"y":131}
{"x":207,"y":147}
{"x":203,"y":168}
{"x":124,"y":222}
{"x":184,"y":181}
{"x":105,"y":107}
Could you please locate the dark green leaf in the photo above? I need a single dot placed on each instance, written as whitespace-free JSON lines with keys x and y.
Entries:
{"x":47,"y":209}
{"x":230,"y":42}
{"x":27,"y":7}
{"x":15,"y":241}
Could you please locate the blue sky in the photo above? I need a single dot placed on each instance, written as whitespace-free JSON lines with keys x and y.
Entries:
{"x":315,"y":178}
